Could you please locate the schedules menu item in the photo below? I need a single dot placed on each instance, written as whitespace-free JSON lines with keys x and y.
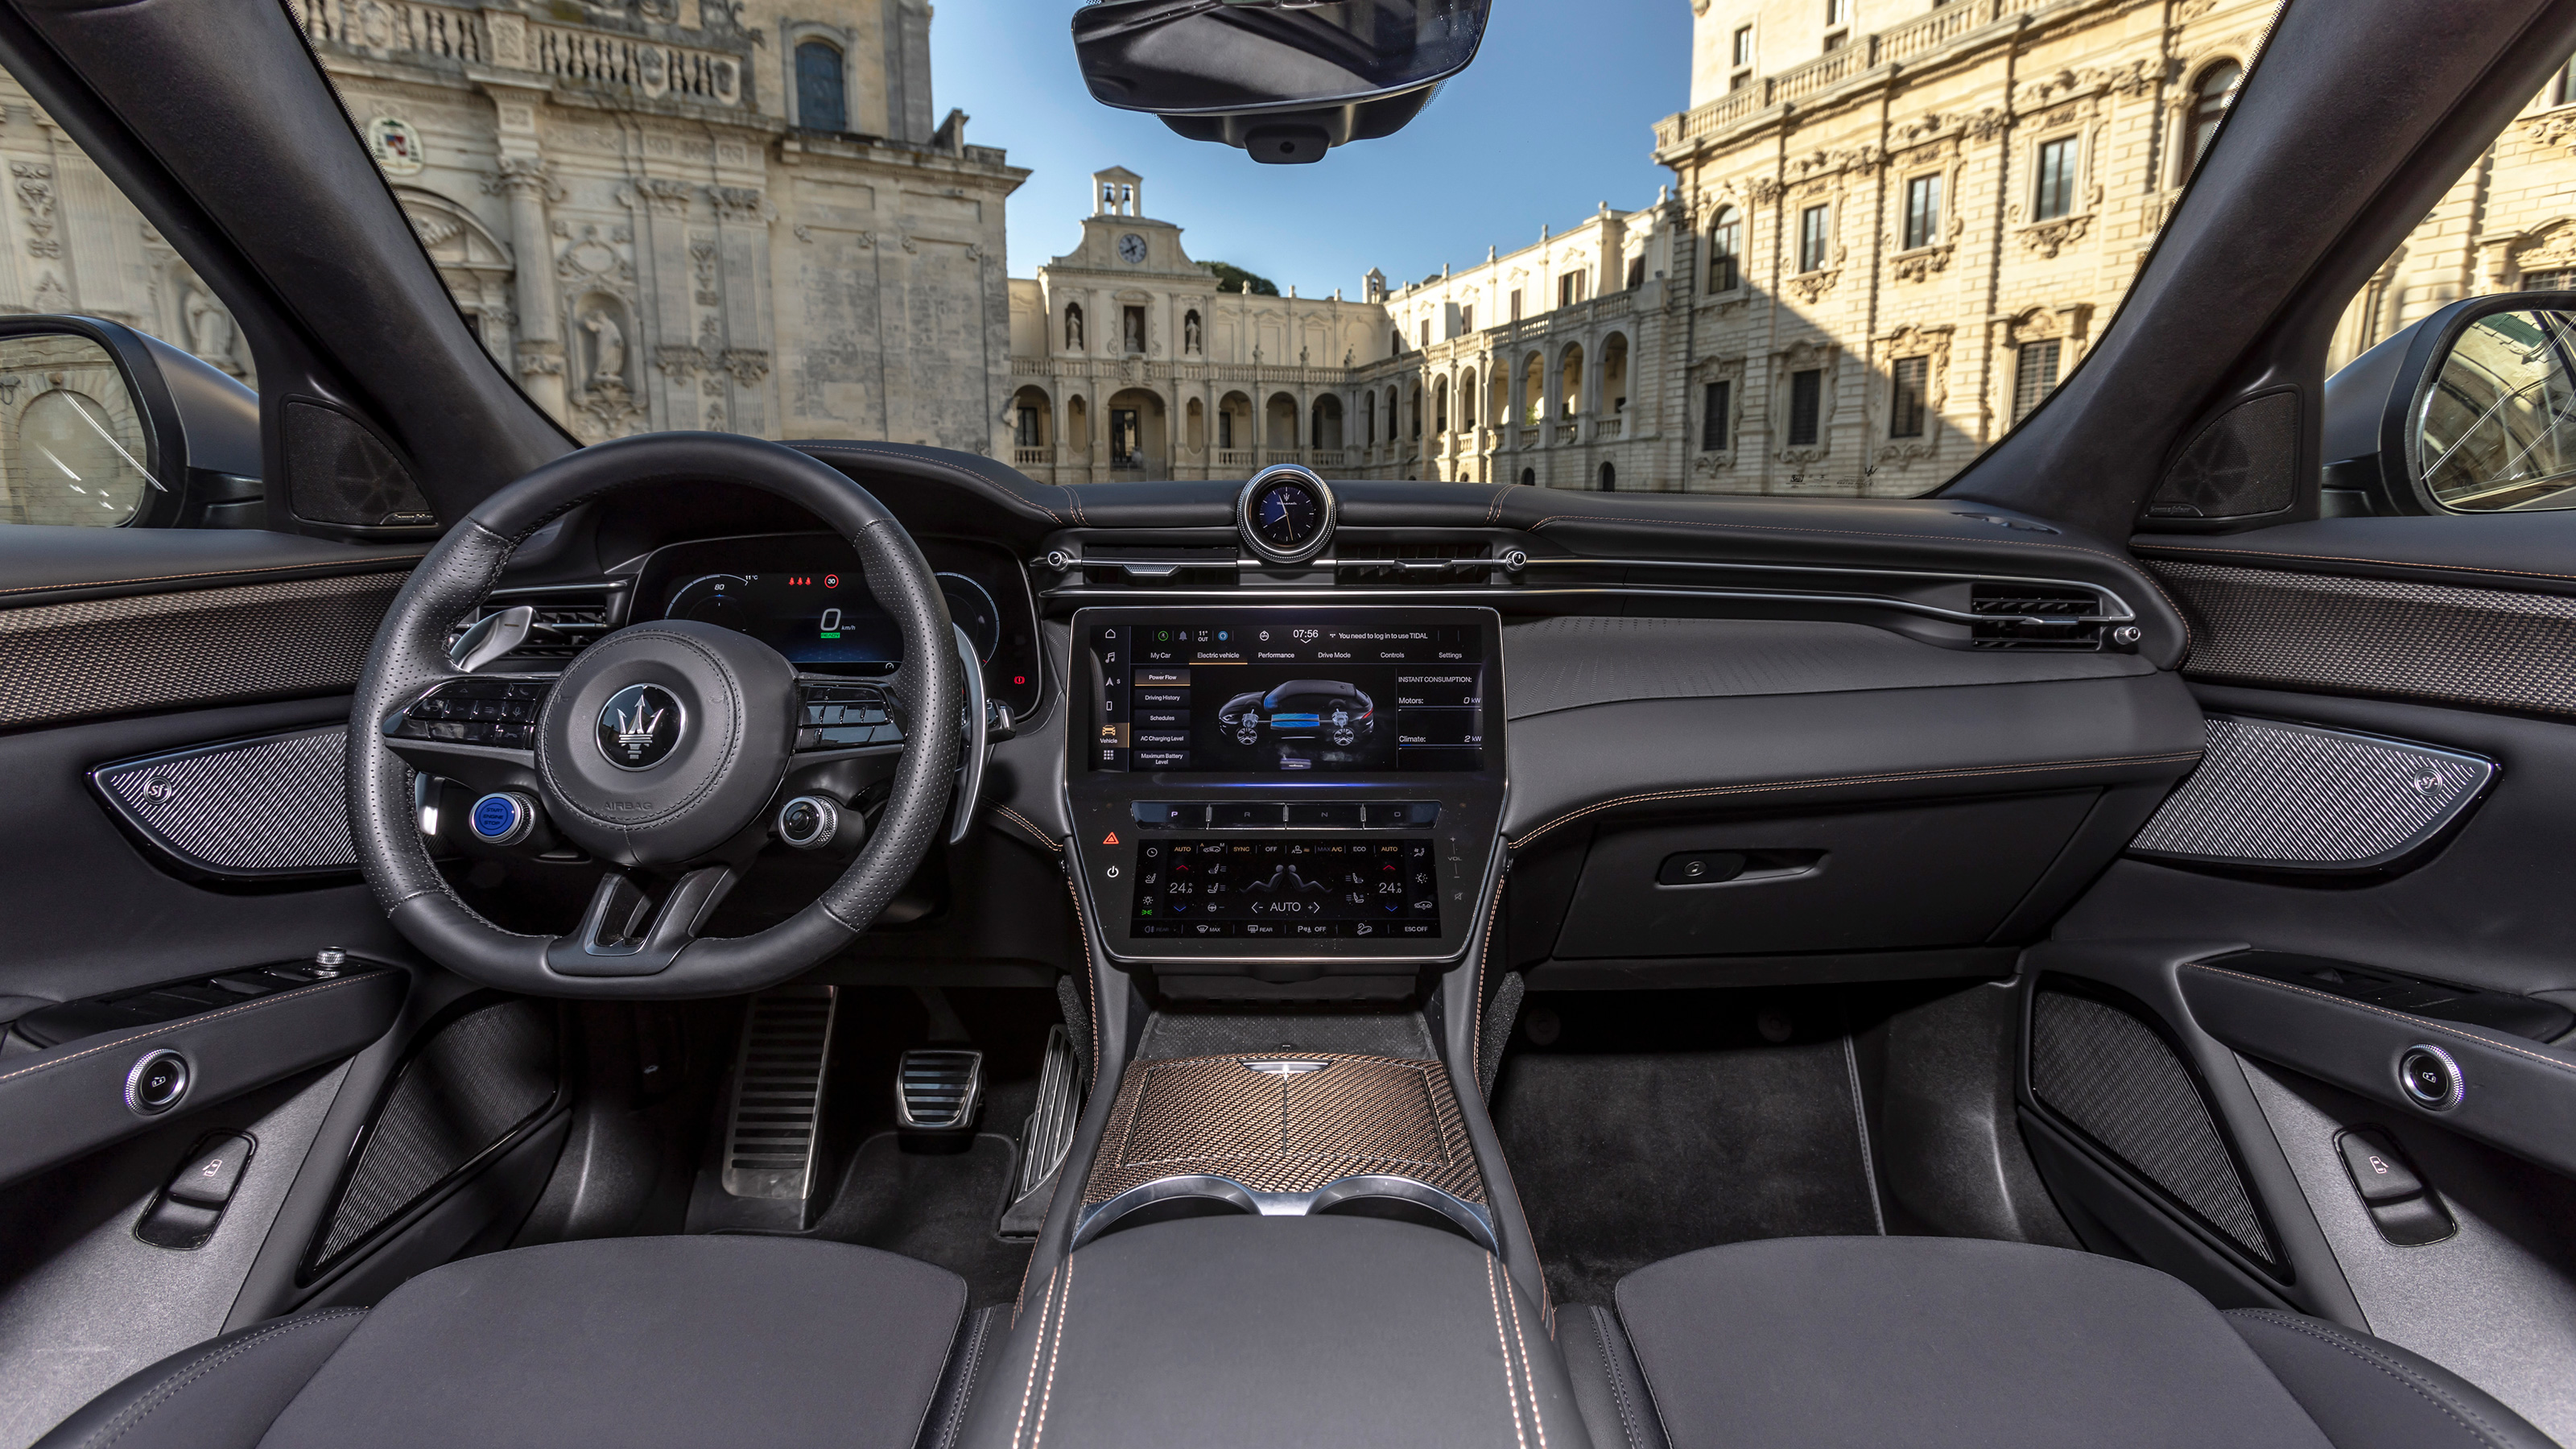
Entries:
{"x":1266,"y":696}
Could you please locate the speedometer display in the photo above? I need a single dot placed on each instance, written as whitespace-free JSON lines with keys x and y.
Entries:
{"x":816,"y":616}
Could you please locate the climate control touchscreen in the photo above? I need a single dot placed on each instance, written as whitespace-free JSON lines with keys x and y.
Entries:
{"x":1286,"y":888}
{"x":1259,"y":694}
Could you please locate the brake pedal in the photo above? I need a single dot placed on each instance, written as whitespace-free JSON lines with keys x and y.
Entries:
{"x":937,"y":1089}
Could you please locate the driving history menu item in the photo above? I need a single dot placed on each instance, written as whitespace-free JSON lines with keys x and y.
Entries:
{"x":1260,"y":694}
{"x":1287,"y":888}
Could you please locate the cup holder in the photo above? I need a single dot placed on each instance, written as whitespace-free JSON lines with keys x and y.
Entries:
{"x":1204,"y":1195}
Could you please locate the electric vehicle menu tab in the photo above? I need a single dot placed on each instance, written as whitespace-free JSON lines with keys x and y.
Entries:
{"x":1266,"y":694}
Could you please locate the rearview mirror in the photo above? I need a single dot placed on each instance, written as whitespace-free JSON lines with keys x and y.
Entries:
{"x":102,"y":426}
{"x":2472,"y":410}
{"x":1283,"y":79}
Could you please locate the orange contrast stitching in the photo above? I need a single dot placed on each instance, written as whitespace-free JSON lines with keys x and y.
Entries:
{"x":1511,"y":1390}
{"x":2420,"y":1022}
{"x":1045,"y":1306}
{"x":165,"y":1028}
{"x":1063,"y":1311}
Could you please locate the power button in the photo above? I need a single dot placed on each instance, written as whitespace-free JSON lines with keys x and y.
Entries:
{"x":2430,"y":1079}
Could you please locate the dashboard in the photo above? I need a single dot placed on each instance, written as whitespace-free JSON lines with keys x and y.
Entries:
{"x":806,"y":596}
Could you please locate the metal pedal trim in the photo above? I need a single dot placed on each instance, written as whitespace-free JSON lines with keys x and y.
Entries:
{"x":1050,"y":1128}
{"x":774,"y":1125}
{"x":937,"y":1089}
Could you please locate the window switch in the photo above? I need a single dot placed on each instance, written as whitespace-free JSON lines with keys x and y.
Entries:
{"x":2380,"y":1174}
{"x":210,"y":1174}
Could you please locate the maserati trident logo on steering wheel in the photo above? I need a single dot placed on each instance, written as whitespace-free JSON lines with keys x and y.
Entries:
{"x":640,"y":726}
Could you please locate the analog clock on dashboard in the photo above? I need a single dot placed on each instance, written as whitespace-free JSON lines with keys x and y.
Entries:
{"x":1285,"y":514}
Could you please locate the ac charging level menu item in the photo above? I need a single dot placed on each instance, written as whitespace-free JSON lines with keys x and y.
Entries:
{"x":1264,"y":696}
{"x":1286,"y":888}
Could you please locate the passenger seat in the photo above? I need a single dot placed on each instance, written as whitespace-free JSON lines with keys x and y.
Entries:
{"x":1803,"y":1343}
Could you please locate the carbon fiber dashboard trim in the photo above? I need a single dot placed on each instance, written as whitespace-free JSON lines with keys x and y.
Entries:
{"x":199,"y":646}
{"x":275,"y":807}
{"x":2493,"y":647}
{"x":1275,"y":1131}
{"x":2299,"y":797}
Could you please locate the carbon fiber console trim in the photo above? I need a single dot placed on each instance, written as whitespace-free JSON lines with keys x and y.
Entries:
{"x":2297,"y":797}
{"x":2491,"y":647}
{"x":271,"y":808}
{"x":201,"y":646}
{"x":1285,"y":1131}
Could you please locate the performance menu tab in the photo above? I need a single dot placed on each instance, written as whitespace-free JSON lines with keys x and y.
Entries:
{"x":1267,"y":694}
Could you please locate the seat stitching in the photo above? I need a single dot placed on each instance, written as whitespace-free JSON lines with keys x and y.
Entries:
{"x":2422,"y":1022}
{"x":1029,"y":1391}
{"x":160,"y":1394}
{"x":359,"y":567}
{"x":2160,"y":550}
{"x":2129,"y":564}
{"x":1063,"y":1311}
{"x":966,"y":1381}
{"x":2424,"y":1388}
{"x":1601,"y":1329}
{"x":1646,"y":1375}
{"x":1511,"y":1391}
{"x":1885,"y":777}
{"x":1529,"y":1380}
{"x":145,"y":1033}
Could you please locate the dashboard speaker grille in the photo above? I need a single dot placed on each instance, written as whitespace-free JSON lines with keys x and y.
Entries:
{"x":2243,"y":464}
{"x":482,"y":1079}
{"x":250,"y":809}
{"x":2110,"y":1075}
{"x":2298,"y":797}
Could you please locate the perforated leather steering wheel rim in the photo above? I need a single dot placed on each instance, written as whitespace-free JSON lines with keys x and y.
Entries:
{"x":409,"y":657}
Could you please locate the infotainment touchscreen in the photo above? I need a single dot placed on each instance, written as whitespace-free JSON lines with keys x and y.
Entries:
{"x":1254,"y":693}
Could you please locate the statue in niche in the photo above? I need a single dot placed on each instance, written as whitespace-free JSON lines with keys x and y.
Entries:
{"x":1190,"y":340}
{"x":1073,"y":327}
{"x":607,"y":348}
{"x":210,"y":332}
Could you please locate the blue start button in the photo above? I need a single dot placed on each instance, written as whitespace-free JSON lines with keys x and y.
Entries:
{"x":502,"y":818}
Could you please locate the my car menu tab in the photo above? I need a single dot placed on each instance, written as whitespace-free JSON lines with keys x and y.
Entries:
{"x":1258,"y":693}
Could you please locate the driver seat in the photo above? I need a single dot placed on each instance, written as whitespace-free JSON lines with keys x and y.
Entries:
{"x":638,"y":1342}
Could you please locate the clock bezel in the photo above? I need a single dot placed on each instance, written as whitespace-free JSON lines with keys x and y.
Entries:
{"x":1263,"y":548}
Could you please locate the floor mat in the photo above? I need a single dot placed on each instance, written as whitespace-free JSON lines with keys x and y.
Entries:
{"x":1624,"y":1159}
{"x":936,"y":1207}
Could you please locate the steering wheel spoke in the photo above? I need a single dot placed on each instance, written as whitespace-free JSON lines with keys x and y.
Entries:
{"x":623,"y":933}
{"x":479,"y":730}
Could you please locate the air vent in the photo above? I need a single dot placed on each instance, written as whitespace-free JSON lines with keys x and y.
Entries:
{"x":568,"y":621}
{"x":1150,"y":568}
{"x":936,"y":1091}
{"x":1401,"y":562}
{"x":2035,"y":616}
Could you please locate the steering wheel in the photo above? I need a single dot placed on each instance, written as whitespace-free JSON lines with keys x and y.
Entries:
{"x":659,"y":750}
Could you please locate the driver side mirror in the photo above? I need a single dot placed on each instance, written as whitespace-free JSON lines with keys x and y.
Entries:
{"x":1285,"y":80}
{"x":2472,"y":410}
{"x":102,"y":426}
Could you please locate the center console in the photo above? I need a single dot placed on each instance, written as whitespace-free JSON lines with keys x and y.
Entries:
{"x":1285,"y":793}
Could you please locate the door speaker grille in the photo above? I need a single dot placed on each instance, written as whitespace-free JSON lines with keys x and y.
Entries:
{"x":479,"y":1082}
{"x":2103,"y":1071}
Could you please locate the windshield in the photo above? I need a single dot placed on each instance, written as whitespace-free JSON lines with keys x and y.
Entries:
{"x":1823,"y":247}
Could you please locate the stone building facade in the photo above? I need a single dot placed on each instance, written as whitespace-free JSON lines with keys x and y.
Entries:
{"x":654,"y":213}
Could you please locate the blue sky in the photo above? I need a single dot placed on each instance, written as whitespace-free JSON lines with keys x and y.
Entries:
{"x":1554,"y":118}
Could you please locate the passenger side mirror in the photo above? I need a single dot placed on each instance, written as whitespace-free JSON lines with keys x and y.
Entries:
{"x":102,"y":426}
{"x":2472,"y":410}
{"x":1283,"y":79}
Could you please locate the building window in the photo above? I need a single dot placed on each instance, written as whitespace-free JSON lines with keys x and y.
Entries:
{"x":1467,"y":318}
{"x":1609,"y":479}
{"x":1811,"y":239}
{"x":1922,"y":211}
{"x":1743,"y":45}
{"x":2034,"y":375}
{"x":2562,"y":86}
{"x":1073,"y":326}
{"x":1717,"y":411}
{"x":1516,"y":304}
{"x":1838,"y":12}
{"x":1905,"y":411}
{"x":1395,"y":341}
{"x":822,"y":102}
{"x":1224,"y":428}
{"x":1636,"y":273}
{"x":1134,"y":331}
{"x":1569,"y":289}
{"x":1529,"y":477}
{"x":1726,"y":250}
{"x":2056,"y":194}
{"x":1426,"y":331}
{"x":1806,"y":406}
{"x":2211,"y":97}
{"x":1739,"y":81}
{"x":1028,"y":436}
{"x":2558,"y":281}
{"x":1837,"y":41}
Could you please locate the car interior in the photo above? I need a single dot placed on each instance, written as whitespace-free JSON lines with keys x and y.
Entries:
{"x":694,"y":939}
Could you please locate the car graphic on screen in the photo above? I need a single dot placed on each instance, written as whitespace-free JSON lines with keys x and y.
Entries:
{"x":1301,"y":709}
